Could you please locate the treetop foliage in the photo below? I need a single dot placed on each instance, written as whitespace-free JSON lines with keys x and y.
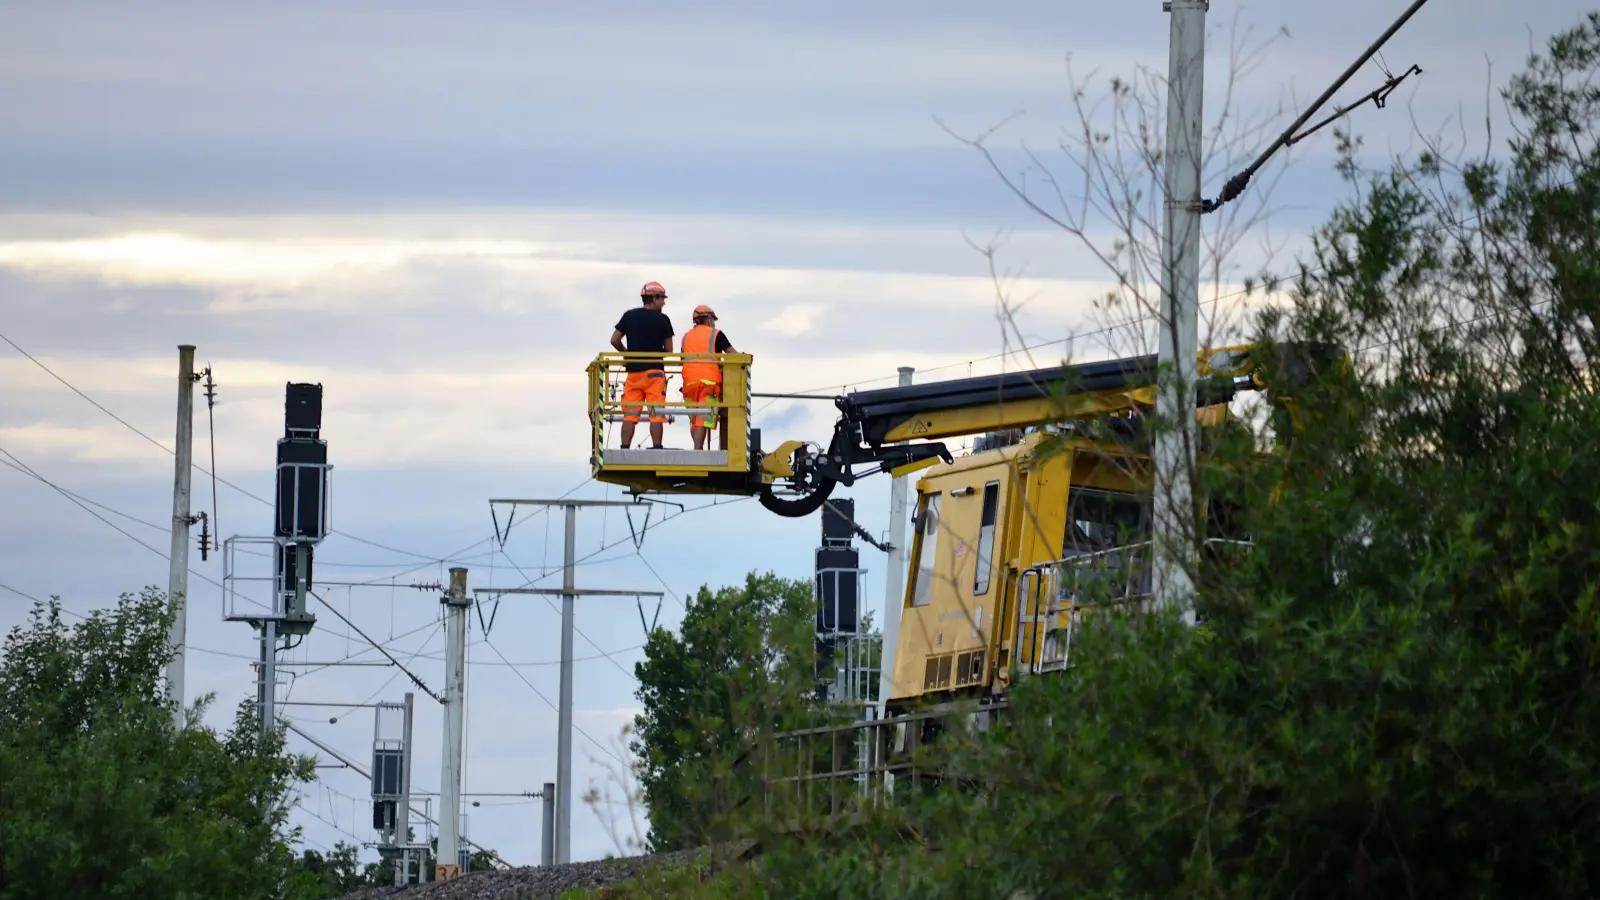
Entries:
{"x":741,"y":666}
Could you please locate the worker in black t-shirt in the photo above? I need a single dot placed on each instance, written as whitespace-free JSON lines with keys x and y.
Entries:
{"x":648,"y":330}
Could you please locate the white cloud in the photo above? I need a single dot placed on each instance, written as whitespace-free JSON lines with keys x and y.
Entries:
{"x":450,"y":339}
{"x":795,"y":319}
{"x":419,"y":367}
{"x":283,"y":264}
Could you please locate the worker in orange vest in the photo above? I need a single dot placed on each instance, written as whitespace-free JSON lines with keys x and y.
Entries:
{"x":702,"y":377}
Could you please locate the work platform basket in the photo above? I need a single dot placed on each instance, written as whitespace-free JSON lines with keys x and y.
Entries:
{"x":725,"y":469}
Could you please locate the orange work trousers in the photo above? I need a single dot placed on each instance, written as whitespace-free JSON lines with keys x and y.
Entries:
{"x":649,"y":387}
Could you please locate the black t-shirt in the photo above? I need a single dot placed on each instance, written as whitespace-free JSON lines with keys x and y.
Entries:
{"x":645,"y":331}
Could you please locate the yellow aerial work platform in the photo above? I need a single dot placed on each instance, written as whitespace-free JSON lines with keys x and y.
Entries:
{"x":895,"y":430}
{"x":727,"y":469}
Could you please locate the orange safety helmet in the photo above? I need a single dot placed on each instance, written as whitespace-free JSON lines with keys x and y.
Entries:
{"x":704,"y":310}
{"x":652,"y":289}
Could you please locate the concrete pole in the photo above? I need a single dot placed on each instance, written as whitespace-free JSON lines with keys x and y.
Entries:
{"x":403,"y":815}
{"x":457,"y":604}
{"x":563,"y":843}
{"x":178,"y":574}
{"x":894,"y":582}
{"x":1180,"y":289}
{"x":547,"y":841}
{"x":269,"y":675}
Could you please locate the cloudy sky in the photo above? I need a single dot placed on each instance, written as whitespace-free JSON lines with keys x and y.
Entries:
{"x":438,"y":211}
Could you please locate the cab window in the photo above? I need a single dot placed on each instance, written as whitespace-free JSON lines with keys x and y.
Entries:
{"x":1099,"y":520}
{"x":925,"y":551}
{"x":985,"y":556}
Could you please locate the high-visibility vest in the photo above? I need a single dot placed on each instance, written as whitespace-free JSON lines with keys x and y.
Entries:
{"x":701,"y":339}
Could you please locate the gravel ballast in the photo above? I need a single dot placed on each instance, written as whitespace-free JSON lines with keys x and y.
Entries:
{"x":542,"y":882}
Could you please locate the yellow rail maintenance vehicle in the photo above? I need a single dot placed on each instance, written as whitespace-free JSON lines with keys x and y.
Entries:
{"x":1003,"y":538}
{"x":1056,"y":493}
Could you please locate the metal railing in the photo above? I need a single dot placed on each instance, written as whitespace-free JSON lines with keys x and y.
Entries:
{"x":830,"y":772}
{"x":607,"y":385}
{"x":253,"y":598}
{"x":832,"y":606}
{"x":292,"y":481}
{"x":1053,"y":596}
{"x":852,"y":669}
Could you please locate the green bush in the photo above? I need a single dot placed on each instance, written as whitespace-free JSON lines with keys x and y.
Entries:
{"x":101,"y":796}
